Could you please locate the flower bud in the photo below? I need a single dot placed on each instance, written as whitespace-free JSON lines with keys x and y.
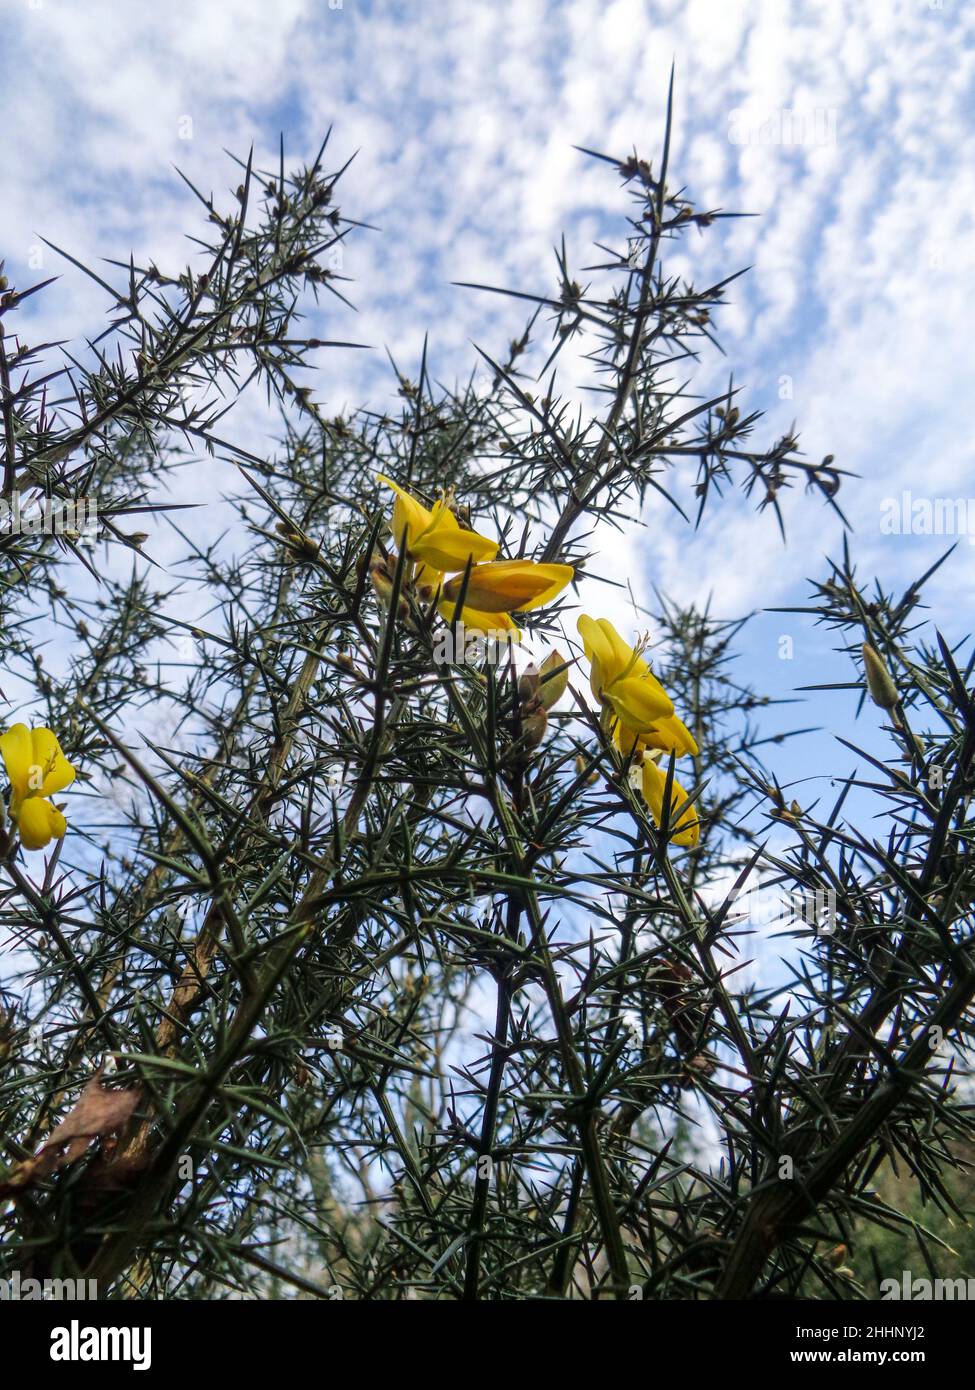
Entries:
{"x":533,"y":728}
{"x":382,"y":582}
{"x":528,"y":685}
{"x":581,"y":765}
{"x":880,"y":683}
{"x":298,"y":545}
{"x":553,"y":679}
{"x":306,"y":548}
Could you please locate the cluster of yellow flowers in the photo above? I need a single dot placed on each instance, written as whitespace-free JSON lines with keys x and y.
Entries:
{"x":641,"y":716}
{"x":37,"y":769}
{"x":636,"y":708}
{"x":443,"y":555}
{"x":437,"y":546}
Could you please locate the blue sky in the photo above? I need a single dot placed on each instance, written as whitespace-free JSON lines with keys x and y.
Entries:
{"x":858,"y":307}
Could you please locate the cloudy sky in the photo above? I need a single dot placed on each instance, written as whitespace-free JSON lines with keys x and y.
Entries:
{"x":847,"y":126}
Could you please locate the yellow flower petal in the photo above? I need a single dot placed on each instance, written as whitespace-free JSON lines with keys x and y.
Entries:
{"x":409,"y":515}
{"x":17,"y":750}
{"x":39,"y":823}
{"x":639,"y":703}
{"x":512,"y":585}
{"x":51,"y":772}
{"x":604,"y":645}
{"x":476,"y":621}
{"x":685,"y":827}
{"x":427,"y":582}
{"x":447,"y":547}
{"x":627,"y":741}
{"x":596,"y":682}
{"x":671,"y":735}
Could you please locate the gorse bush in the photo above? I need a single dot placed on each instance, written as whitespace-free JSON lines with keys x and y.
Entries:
{"x":348,"y":954}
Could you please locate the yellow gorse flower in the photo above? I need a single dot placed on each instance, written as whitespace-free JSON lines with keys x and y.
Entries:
{"x":640,"y":709}
{"x":510,"y":585}
{"x":434,"y":536}
{"x":641,"y":716}
{"x":685,"y":828}
{"x":36,"y":768}
{"x":440,"y":546}
{"x":501,"y":587}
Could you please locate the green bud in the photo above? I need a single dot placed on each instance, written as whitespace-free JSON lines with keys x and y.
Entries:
{"x":553,"y":679}
{"x":528,"y":686}
{"x":880,"y":683}
{"x":533,"y":728}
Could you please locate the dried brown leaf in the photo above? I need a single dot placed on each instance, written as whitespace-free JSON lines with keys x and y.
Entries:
{"x":98,"y":1113}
